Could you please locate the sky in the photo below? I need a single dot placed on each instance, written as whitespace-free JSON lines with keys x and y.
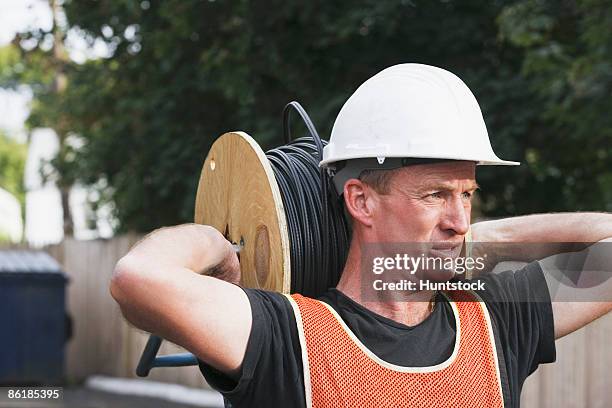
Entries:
{"x":19,"y":15}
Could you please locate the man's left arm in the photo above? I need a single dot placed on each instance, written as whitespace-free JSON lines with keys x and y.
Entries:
{"x":559,"y":237}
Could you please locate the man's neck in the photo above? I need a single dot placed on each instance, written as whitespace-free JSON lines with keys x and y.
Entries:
{"x":410,"y":310}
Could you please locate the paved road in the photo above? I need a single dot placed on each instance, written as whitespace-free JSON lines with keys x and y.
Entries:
{"x":82,"y":397}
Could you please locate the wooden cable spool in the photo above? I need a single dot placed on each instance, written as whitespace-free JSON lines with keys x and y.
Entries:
{"x":239,"y":196}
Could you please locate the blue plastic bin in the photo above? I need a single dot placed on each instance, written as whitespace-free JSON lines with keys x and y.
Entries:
{"x":33,"y":321}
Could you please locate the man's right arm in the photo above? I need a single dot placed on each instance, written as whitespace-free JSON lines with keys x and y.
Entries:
{"x":552,"y":234}
{"x":160,"y":288}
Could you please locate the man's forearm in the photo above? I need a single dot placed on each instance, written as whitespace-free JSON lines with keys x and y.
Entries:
{"x":188,"y":248}
{"x":199,"y":248}
{"x":554,"y":232}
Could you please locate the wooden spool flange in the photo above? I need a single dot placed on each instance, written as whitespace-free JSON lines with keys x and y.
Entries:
{"x":239,"y":196}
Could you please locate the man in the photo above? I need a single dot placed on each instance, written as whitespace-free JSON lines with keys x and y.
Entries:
{"x":403,"y":152}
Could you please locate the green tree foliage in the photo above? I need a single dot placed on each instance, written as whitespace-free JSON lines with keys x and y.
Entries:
{"x":12,"y":164}
{"x":566,"y":59}
{"x":182,"y":72}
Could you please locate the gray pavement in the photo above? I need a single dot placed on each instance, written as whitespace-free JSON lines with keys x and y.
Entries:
{"x":83,"y":397}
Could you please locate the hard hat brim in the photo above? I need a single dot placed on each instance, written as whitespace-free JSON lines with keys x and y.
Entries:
{"x":495,"y":161}
{"x":498,"y":162}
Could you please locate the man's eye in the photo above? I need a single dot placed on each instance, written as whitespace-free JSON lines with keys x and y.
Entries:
{"x":467,"y":195}
{"x":437,"y":194}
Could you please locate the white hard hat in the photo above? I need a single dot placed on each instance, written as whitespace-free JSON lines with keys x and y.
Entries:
{"x":411,"y":111}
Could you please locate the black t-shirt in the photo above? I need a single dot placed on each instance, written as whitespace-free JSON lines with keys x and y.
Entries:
{"x":272,"y":376}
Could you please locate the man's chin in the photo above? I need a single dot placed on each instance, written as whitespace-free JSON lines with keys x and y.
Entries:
{"x":443,"y":275}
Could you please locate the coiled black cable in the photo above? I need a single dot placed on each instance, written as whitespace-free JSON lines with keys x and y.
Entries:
{"x":318,"y":229}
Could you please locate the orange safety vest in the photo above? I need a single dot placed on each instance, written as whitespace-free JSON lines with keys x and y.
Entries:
{"x":340,"y":371}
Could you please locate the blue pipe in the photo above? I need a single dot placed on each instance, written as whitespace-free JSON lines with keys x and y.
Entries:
{"x":149,"y":359}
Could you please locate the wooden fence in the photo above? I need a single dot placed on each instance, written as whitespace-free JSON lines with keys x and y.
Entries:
{"x":103,"y":343}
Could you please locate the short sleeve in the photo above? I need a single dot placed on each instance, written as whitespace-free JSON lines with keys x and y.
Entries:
{"x":520,"y":305}
{"x":271,"y":373}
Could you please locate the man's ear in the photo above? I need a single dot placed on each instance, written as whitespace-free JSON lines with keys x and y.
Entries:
{"x":359,"y":201}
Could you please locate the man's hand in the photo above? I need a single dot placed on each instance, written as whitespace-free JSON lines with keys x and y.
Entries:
{"x":225,"y":264}
{"x":162,"y":287}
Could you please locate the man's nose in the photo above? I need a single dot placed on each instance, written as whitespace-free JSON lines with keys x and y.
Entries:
{"x":456,"y":217}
